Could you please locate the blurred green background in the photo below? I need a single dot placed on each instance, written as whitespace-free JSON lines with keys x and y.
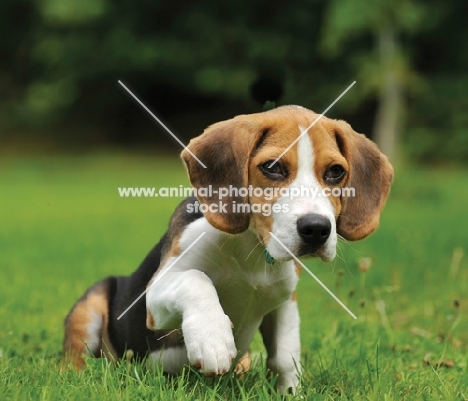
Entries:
{"x":63,"y":225}
{"x":194,"y":63}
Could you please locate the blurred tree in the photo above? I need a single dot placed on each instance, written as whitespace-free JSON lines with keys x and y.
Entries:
{"x":18,"y":20}
{"x":439,"y":122}
{"x":383,"y":69}
{"x":197,"y":62}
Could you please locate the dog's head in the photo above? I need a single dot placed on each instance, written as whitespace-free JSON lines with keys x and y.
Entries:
{"x":332,"y":181}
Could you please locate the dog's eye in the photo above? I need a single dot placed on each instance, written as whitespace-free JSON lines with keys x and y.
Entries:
{"x":277,"y":172}
{"x":334,"y":174}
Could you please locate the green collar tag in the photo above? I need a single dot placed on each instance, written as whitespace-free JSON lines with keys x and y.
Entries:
{"x":268,"y":258}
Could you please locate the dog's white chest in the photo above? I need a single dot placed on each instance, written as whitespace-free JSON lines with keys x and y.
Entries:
{"x":247,"y":286}
{"x":255,"y":289}
{"x":250,"y":289}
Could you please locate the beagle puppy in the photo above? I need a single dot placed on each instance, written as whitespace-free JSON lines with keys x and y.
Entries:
{"x":217,"y":277}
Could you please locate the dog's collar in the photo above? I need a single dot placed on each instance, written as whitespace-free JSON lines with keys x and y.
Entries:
{"x":268,"y":258}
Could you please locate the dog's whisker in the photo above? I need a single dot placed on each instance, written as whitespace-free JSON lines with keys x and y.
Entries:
{"x":339,"y":249}
{"x":340,"y":237}
{"x":224,"y":243}
{"x":345,"y":242}
{"x":253,"y":249}
{"x":260,"y":256}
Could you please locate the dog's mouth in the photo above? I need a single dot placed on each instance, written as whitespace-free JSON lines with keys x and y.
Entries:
{"x":321,"y":253}
{"x":286,"y":258}
{"x":303,"y":252}
{"x":310,"y":251}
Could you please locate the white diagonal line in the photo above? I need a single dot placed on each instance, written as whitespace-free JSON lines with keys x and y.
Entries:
{"x":314,"y":276}
{"x":161,"y":275}
{"x":161,"y":123}
{"x":311,"y":125}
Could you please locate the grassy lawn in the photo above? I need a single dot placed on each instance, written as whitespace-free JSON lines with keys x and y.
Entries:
{"x":63,"y":227}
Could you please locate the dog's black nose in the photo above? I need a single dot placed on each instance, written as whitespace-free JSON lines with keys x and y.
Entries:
{"x":314,"y":229}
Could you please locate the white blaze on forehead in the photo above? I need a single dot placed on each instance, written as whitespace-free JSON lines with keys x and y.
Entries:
{"x":306,"y":177}
{"x":305,"y":160}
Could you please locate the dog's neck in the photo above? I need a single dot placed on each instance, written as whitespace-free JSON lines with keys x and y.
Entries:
{"x":252,"y":233}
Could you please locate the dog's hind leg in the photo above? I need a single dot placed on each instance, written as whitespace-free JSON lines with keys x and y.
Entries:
{"x":86,"y":326}
{"x":244,"y":364}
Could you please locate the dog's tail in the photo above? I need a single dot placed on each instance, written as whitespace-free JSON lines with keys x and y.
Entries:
{"x":86,"y":326}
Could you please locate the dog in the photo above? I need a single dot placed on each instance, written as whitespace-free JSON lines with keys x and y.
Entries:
{"x":206,"y":300}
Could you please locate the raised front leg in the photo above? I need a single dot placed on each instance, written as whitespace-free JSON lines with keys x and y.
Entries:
{"x":190,"y":300}
{"x":280,"y":332}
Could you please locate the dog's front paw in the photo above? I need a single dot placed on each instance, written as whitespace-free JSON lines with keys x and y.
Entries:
{"x":287,"y":371}
{"x":210,"y":343}
{"x":287,"y":383}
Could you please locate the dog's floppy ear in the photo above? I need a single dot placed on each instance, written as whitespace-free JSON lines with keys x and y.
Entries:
{"x":370,"y":174}
{"x":225,"y":149}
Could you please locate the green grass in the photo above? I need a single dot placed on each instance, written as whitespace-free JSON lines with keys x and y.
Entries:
{"x":63,"y":227}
